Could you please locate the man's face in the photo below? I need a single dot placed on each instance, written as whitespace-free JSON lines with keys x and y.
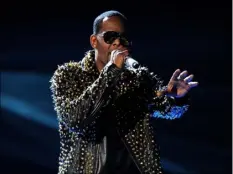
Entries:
{"x":109,"y":38}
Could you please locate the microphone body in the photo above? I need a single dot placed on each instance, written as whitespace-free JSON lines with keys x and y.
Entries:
{"x":130,"y":62}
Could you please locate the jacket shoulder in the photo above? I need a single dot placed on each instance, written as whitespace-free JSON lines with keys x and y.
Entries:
{"x":71,"y":66}
{"x":67,"y":71}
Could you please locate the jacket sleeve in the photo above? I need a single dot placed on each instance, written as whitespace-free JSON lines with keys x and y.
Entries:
{"x":164,"y":106}
{"x":76,"y":107}
{"x":146,"y":85}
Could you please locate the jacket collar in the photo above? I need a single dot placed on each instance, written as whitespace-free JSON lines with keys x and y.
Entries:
{"x":88,"y":63}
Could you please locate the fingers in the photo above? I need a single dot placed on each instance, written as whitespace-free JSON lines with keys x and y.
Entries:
{"x":192,"y":84}
{"x":183,"y":75}
{"x":175,"y":75}
{"x":118,"y":53}
{"x":118,"y":57}
{"x":125,"y":53}
{"x":189,"y":78}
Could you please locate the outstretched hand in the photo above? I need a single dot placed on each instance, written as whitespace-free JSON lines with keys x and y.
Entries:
{"x":180,"y":83}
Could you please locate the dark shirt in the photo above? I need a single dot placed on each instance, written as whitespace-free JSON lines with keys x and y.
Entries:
{"x":118,"y":161}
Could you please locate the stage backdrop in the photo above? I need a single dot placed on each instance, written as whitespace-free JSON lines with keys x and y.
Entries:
{"x":192,"y":35}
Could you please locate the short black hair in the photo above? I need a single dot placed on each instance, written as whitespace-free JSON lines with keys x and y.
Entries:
{"x":99,"y":19}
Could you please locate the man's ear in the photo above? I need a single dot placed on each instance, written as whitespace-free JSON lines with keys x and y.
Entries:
{"x":93,"y":41}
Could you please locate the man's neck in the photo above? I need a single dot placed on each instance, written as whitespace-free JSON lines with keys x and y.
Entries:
{"x":100,"y":65}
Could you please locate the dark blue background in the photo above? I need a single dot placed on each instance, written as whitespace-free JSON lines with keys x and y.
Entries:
{"x":193,"y":35}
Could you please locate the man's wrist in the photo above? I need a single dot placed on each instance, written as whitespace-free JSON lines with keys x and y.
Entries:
{"x":162,"y":92}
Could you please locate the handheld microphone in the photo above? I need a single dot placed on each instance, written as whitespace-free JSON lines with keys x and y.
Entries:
{"x":130,"y":62}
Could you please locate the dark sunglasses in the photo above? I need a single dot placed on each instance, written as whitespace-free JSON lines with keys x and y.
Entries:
{"x":111,"y":36}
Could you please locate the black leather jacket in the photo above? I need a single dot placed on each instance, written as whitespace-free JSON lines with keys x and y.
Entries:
{"x":81,"y":95}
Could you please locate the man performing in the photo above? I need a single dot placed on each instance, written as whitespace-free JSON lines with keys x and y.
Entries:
{"x":105,"y":105}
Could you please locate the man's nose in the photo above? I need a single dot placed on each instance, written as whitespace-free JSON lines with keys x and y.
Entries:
{"x":117,"y":44}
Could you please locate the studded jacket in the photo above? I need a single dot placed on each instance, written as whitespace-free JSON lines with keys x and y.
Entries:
{"x":81,"y":94}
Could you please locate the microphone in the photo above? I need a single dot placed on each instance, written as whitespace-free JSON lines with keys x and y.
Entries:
{"x":130,"y":62}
